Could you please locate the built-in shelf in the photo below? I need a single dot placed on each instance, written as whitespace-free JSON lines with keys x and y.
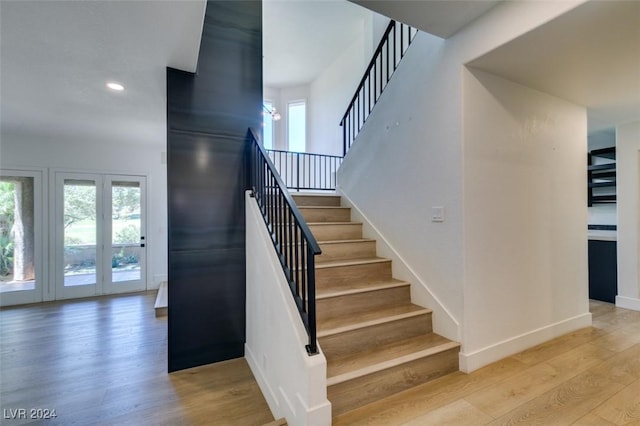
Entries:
{"x":601,"y":178}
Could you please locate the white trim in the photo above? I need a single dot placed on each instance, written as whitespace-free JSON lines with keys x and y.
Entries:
{"x":492,"y":353}
{"x":628,"y":303}
{"x":444,"y":323}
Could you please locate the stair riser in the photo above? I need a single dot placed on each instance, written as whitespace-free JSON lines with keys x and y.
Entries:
{"x":362,"y":302}
{"x":347,"y":231}
{"x":326,"y":215}
{"x":344,"y":251}
{"x":350,"y":250}
{"x":355,"y":393}
{"x":308,"y":200}
{"x":341,"y":275}
{"x":371,"y":337}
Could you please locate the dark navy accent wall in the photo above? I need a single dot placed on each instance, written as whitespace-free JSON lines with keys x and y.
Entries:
{"x":208,"y":114}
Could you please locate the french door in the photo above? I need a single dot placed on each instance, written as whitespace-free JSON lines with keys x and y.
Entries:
{"x":100,"y":234}
{"x":22,"y":273}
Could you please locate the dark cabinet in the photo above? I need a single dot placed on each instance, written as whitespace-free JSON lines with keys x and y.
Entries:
{"x":603,"y":274}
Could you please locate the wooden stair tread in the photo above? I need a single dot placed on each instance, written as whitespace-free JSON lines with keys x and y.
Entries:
{"x":386,"y":356}
{"x":358,"y":287}
{"x":350,"y":322}
{"x":323,"y":207}
{"x":350,"y":262}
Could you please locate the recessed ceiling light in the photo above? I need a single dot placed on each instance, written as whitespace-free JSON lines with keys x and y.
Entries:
{"x":115,"y":86}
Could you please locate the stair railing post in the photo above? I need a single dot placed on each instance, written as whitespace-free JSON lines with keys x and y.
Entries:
{"x":298,"y":171}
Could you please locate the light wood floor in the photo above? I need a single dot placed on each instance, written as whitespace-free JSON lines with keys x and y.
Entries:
{"x":589,"y":377}
{"x":103,"y":361}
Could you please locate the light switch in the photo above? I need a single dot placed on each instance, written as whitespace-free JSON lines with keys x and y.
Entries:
{"x":437,"y":214}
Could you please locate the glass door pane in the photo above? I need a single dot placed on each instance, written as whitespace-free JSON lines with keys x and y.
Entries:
{"x":21,"y":248}
{"x":80,"y":232}
{"x":125,"y":231}
{"x":78,"y":235}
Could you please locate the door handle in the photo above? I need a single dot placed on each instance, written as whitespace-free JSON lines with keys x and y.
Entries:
{"x":141,"y":245}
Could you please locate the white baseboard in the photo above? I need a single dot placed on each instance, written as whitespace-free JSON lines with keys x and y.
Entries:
{"x":477,"y":359}
{"x":628,"y":303}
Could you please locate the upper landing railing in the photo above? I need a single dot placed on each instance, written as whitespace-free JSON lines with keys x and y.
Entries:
{"x":306,"y":171}
{"x":386,"y":58}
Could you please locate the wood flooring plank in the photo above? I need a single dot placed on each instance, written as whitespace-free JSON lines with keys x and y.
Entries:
{"x":557,"y":346}
{"x":619,"y":339}
{"x":592,"y":419}
{"x":565,"y":403}
{"x":622,"y":408}
{"x":504,"y":396}
{"x":103,"y":361}
{"x":458,"y":413}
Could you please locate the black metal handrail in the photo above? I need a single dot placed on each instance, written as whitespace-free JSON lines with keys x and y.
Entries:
{"x":386,"y":58}
{"x":294,"y":243}
{"x":307,"y":171}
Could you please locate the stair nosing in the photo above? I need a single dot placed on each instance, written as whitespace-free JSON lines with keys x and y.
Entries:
{"x":394,"y":362}
{"x":351,"y":262}
{"x":333,"y":223}
{"x":323,"y":207}
{"x":353,"y":240}
{"x":373,"y":287}
{"x":365,"y":324}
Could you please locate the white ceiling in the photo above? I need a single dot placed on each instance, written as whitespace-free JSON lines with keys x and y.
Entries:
{"x":590,"y":56}
{"x":56,"y":57}
{"x":442,"y":18}
{"x":302,"y":37}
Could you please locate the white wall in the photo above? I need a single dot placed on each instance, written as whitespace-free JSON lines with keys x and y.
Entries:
{"x":525,"y":222}
{"x":628,"y":187}
{"x":293,"y":383}
{"x":330,"y":94}
{"x":409,"y":158}
{"x":404,"y":162}
{"x":103,"y":156}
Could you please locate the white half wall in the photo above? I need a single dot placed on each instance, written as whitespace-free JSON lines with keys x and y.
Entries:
{"x":293,"y":383}
{"x":104,"y":156}
{"x":525,"y":221}
{"x":628,"y":195}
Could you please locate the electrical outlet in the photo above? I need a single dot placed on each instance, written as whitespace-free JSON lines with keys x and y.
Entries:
{"x":437,"y":214}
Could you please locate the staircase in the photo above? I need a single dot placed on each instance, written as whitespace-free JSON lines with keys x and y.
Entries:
{"x":377,"y":343}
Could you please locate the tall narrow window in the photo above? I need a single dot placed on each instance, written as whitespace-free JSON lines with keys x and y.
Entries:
{"x":297,"y":126}
{"x":267,"y":125}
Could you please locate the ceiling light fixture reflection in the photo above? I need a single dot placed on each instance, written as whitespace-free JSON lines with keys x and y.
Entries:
{"x":115,"y":86}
